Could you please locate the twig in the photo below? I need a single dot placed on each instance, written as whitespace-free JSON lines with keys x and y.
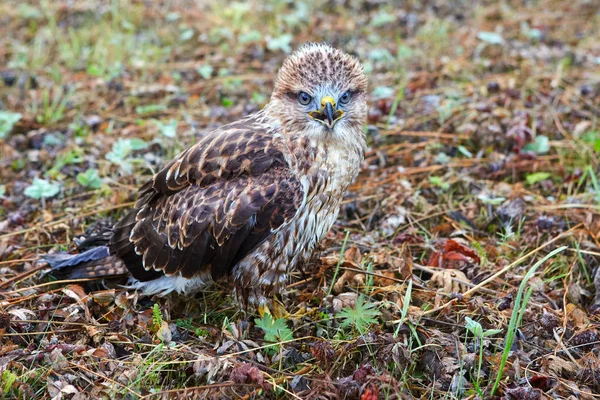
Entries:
{"x":62,"y":220}
{"x":24,"y":274}
{"x":38,"y":333}
{"x":21,"y":260}
{"x":104,"y":377}
{"x":518,"y":261}
{"x":192,"y":388}
{"x":49,"y":284}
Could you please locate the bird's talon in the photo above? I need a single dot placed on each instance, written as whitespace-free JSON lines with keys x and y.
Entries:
{"x":274,"y":308}
{"x":263,"y":310}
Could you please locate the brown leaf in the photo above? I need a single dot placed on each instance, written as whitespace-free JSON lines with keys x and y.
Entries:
{"x":561,"y":367}
{"x":435,"y":260}
{"x":104,"y":297}
{"x":381,"y":281}
{"x":94,"y":332}
{"x":402,"y":264}
{"x":352,"y":260}
{"x":577,"y":316}
{"x":77,"y":290}
{"x":450,"y":280}
{"x":351,"y":277}
{"x":4,"y":320}
{"x":99,"y":353}
{"x":406,"y":271}
{"x":344,"y":300}
{"x":209,"y":366}
{"x":324,"y":352}
{"x":247,"y":373}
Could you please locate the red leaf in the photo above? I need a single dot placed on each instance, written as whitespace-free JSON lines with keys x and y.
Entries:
{"x":247,"y":373}
{"x":454,"y":246}
{"x":455,"y":256}
{"x":542,"y":382}
{"x":370,"y":393}
{"x":452,"y":251}
{"x":435,"y":259}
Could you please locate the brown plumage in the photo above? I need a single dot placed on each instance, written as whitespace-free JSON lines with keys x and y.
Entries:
{"x":251,"y":199}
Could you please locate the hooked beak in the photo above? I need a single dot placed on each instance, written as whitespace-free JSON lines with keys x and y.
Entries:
{"x":328,"y":115}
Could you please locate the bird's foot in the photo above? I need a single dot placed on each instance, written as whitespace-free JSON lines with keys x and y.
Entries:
{"x":274,"y":308}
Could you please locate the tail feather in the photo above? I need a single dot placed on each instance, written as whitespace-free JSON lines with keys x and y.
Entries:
{"x":110,"y":266}
{"x":63,"y":260}
{"x":93,"y":263}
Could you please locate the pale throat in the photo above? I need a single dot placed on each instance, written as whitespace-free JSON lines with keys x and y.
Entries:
{"x":338,"y":159}
{"x":338,"y":154}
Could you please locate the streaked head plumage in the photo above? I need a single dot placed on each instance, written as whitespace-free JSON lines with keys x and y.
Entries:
{"x":319,"y":90}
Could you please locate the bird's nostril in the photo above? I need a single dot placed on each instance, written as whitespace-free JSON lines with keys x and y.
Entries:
{"x":327,"y":100}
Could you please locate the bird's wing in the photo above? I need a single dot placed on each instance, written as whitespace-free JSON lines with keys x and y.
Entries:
{"x":209,"y":207}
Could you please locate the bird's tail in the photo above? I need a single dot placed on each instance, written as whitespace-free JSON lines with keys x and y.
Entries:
{"x":93,"y":263}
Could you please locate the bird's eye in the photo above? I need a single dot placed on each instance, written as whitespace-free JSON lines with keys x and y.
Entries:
{"x":304,"y":98}
{"x":345,"y":98}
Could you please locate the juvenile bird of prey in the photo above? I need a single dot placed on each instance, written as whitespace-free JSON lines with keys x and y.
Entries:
{"x":251,"y":199}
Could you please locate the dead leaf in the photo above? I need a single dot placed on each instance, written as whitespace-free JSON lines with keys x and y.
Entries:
{"x":450,"y":281}
{"x":370,"y":393}
{"x":350,"y":277}
{"x":77,"y":291}
{"x":247,"y":373}
{"x":98,"y":353}
{"x":59,"y":389}
{"x":352,"y":260}
{"x":542,"y":382}
{"x":323,"y":352}
{"x":577,"y":316}
{"x":383,"y":281}
{"x":210,"y":366}
{"x":94,"y":332}
{"x":59,"y":361}
{"x":581,"y":127}
{"x":561,"y":367}
{"x":164,"y":333}
{"x":406,"y":267}
{"x":22,"y":313}
{"x":344,"y":300}
{"x":451,"y":254}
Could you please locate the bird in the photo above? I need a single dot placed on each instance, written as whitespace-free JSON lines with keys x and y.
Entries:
{"x":251,"y":199}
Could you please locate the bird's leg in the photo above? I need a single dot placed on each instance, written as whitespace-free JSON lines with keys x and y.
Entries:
{"x":256,"y":286}
{"x":243,"y":326}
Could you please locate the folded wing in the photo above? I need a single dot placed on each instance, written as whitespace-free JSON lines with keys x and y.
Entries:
{"x":209,"y":207}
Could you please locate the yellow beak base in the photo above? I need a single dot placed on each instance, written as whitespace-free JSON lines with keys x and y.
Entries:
{"x":328,"y":115}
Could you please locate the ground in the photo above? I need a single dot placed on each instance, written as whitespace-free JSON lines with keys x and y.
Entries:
{"x":464,"y":262}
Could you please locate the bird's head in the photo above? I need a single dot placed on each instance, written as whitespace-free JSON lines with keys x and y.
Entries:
{"x":321,"y":92}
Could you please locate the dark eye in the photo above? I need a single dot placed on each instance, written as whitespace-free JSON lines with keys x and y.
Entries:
{"x":345,"y":98}
{"x":304,"y":98}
